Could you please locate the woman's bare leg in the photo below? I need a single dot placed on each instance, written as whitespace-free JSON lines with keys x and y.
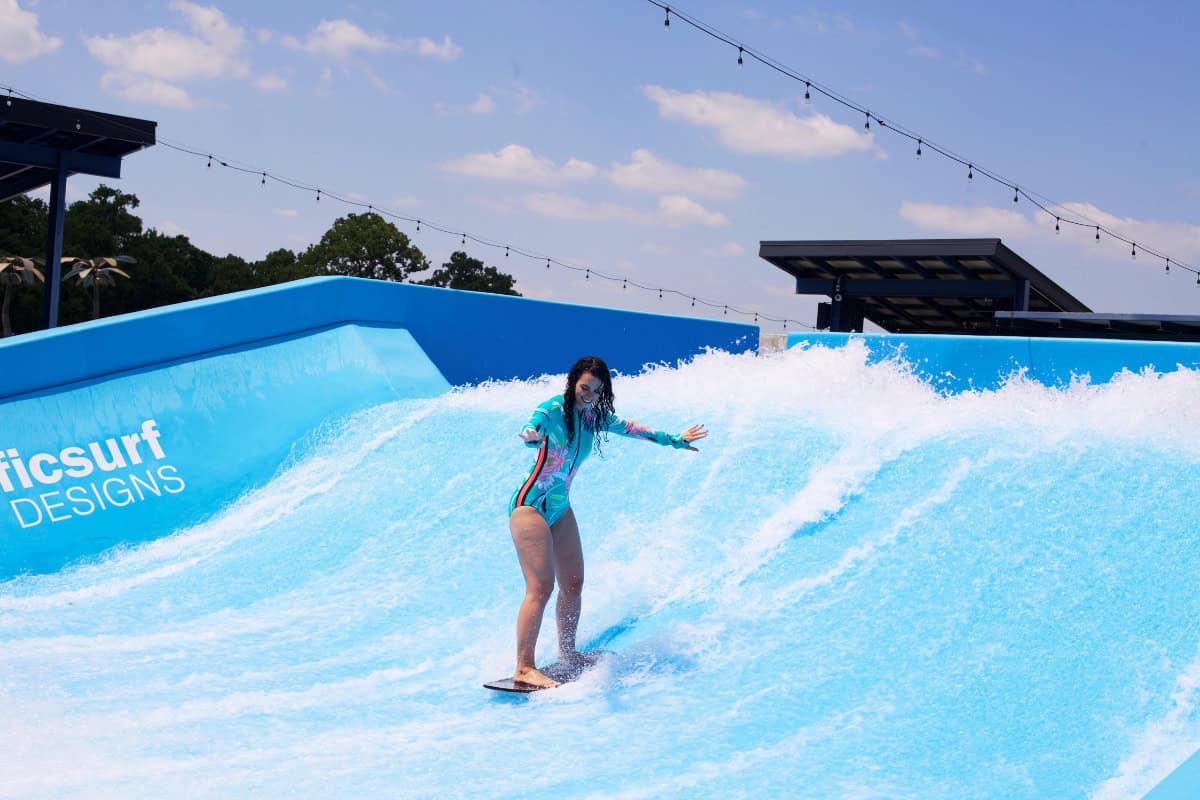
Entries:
{"x":535,"y":551}
{"x":568,"y":567}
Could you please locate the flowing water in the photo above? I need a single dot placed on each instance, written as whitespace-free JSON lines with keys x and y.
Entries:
{"x":858,"y":588}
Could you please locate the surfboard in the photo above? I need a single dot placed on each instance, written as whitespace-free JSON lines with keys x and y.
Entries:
{"x":559,"y":671}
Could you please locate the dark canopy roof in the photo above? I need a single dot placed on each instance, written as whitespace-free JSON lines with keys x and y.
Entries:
{"x":921,"y":285}
{"x":1099,"y":326}
{"x":34,"y":135}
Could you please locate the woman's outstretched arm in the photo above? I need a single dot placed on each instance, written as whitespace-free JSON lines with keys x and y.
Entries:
{"x":636,"y":430}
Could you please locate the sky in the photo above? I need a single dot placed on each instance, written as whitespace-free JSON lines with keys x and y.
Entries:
{"x":592,"y":133}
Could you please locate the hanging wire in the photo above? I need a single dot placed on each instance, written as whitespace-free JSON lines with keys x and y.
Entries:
{"x":371,"y":208}
{"x":1066,"y":215}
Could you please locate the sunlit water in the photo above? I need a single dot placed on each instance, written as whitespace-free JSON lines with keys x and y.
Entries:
{"x":858,"y":588}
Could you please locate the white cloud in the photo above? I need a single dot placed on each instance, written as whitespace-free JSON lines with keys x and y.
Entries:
{"x":1180,"y":240}
{"x":20,"y":39}
{"x":271,"y":82}
{"x":654,"y":249}
{"x":446,"y":51}
{"x":673,"y":210}
{"x":148,"y":66}
{"x":341,"y":38}
{"x":727,"y":250}
{"x":519,"y":164}
{"x":325,"y":82}
{"x":484,"y":104}
{"x":647,"y":173}
{"x":151,"y":91}
{"x":286,"y":212}
{"x":1172,"y":238}
{"x":756,"y":126}
{"x":379,"y":83}
{"x":527,"y":100}
{"x":976,"y":221}
{"x":169,"y":228}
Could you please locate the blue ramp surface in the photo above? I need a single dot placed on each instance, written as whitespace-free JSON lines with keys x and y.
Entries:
{"x":137,"y":455}
{"x":858,"y":587}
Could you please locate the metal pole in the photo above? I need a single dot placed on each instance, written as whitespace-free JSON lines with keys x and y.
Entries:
{"x":54,"y":236}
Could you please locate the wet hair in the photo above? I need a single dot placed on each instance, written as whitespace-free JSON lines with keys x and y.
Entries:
{"x":603,"y":405}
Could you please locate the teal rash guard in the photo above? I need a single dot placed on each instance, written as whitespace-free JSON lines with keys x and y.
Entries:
{"x":548,"y":483}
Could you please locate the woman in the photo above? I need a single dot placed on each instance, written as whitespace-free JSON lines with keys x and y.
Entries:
{"x":564,"y":430}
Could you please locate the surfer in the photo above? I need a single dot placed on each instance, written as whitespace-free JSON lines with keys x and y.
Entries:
{"x":564,"y":429}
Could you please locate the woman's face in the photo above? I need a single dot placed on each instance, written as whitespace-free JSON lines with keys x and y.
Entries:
{"x":587,"y":389}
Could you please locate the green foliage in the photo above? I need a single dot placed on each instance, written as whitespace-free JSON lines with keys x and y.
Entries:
{"x":364,"y":246}
{"x":464,"y":272}
{"x":102,"y":225}
{"x":23,"y":222}
{"x":170,"y":269}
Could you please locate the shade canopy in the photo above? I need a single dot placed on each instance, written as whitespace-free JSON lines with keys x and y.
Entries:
{"x":35,"y":136}
{"x":917,"y":285}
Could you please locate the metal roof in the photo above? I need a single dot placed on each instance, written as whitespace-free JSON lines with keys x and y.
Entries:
{"x":34,"y":136}
{"x":1099,"y":326}
{"x":921,"y":285}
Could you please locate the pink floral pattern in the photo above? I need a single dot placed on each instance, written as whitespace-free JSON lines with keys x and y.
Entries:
{"x":556,"y":456}
{"x":638,"y":429}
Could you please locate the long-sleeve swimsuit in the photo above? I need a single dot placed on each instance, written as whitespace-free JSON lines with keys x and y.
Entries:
{"x":548,"y":483}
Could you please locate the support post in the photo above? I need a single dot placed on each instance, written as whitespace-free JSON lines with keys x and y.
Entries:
{"x":1021,"y":296}
{"x":54,"y":237}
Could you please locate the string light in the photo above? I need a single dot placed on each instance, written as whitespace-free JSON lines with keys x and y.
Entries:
{"x":1168,"y":265}
{"x":209,"y":158}
{"x":788,"y":72}
{"x":264,"y":179}
{"x":739,"y":55}
{"x":587,"y":275}
{"x":1056,"y":228}
{"x":464,"y":240}
{"x":918,"y":148}
{"x":210,"y":162}
{"x":1133,"y":252}
{"x":506,"y":251}
{"x":667,"y":21}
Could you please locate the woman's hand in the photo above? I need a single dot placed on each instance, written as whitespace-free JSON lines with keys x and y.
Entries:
{"x":530,"y":436}
{"x":693,"y":434}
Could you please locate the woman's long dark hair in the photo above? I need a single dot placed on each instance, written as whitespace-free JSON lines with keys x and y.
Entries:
{"x":603,"y":405}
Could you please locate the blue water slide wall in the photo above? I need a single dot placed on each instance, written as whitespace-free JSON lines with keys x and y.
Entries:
{"x":960,"y":363}
{"x":213,"y":395}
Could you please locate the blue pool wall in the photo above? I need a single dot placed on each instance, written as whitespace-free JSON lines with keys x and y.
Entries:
{"x":233,"y":386}
{"x":964,"y":363}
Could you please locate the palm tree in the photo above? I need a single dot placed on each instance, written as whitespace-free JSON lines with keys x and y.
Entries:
{"x":96,"y":272}
{"x":14,"y":271}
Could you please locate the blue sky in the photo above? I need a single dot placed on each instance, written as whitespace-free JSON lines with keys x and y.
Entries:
{"x":589,"y":132}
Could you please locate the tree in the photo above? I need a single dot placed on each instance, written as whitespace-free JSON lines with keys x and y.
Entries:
{"x":96,"y":272}
{"x":364,"y":246}
{"x":23,"y":221}
{"x":14,"y":271}
{"x":464,"y":272}
{"x":102,"y":224}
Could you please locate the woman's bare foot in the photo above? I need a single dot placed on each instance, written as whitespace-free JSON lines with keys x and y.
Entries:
{"x":534,"y":677}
